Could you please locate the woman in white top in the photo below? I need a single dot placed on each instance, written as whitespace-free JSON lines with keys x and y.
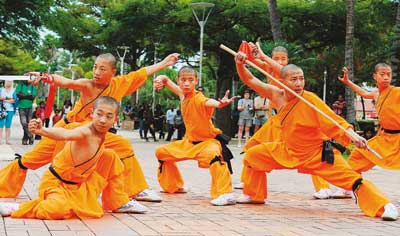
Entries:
{"x":8,"y":98}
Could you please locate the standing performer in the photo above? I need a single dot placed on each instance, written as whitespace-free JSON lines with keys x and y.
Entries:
{"x":202,"y":141}
{"x":305,"y":144}
{"x":387,"y":141}
{"x":103,"y":83}
{"x":79,"y":172}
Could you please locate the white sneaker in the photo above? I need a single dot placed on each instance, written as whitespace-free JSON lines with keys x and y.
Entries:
{"x":148,"y":195}
{"x":246,"y":199}
{"x":6,"y":208}
{"x":224,"y":200}
{"x":342,"y":193}
{"x":239,"y":186}
{"x":324,"y":193}
{"x":132,"y":206}
{"x":391,"y":213}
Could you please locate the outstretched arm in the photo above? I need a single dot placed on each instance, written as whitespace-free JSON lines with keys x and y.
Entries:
{"x":35,"y":126}
{"x":59,"y":81}
{"x":163,"y":80}
{"x":357,"y":89}
{"x":225,"y":101}
{"x":168,"y":61}
{"x":262,"y":60}
{"x":271,"y":92}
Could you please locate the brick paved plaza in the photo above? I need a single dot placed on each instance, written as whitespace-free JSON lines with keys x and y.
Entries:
{"x":290,"y":209}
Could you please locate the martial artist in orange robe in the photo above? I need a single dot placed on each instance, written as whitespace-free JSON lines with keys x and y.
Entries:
{"x":76,"y":176}
{"x":303,"y":133}
{"x":199,"y":142}
{"x":387,"y":142}
{"x":103,"y":84}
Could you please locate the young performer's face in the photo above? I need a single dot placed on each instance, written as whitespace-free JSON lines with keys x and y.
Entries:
{"x":281,"y":58}
{"x":295,"y":81}
{"x":102,"y":71}
{"x":187,"y":81}
{"x":104,"y":116}
{"x":383,"y":76}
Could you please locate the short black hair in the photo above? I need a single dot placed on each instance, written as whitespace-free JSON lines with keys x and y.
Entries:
{"x":106,"y":100}
{"x":187,"y":69}
{"x":110,"y":58}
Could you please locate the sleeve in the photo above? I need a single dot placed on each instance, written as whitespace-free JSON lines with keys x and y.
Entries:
{"x":201,"y":103}
{"x":240,"y":103}
{"x":18,"y":88}
{"x":127,"y":84}
{"x":328,"y":127}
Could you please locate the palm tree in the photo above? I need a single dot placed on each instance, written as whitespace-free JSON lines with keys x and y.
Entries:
{"x":349,"y":60}
{"x":275,"y":20}
{"x":395,"y":60}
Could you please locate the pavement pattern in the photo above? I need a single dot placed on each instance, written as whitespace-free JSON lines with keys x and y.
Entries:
{"x":290,"y":209}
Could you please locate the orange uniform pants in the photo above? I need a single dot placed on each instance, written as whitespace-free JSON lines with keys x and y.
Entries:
{"x":12,"y":177}
{"x":266,"y":157}
{"x":58,"y":200}
{"x":170,"y":178}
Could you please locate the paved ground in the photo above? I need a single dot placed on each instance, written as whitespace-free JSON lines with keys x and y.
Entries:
{"x":290,"y":209}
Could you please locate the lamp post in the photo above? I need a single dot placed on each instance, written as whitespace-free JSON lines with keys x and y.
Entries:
{"x":73,"y":78}
{"x":156,"y":44}
{"x":122,"y":57}
{"x":204,"y":9}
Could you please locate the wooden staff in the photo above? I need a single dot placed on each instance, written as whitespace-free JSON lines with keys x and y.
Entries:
{"x":301,"y":98}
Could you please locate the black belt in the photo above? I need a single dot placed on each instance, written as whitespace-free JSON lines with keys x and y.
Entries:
{"x":391,"y":131}
{"x":66,"y":120}
{"x":226,"y":152}
{"x":327,"y":150}
{"x":53,"y":171}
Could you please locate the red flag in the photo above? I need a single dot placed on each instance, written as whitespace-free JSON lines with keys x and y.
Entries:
{"x":245,"y":47}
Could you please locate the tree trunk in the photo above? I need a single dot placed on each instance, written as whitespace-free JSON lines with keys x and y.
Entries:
{"x":395,"y":60}
{"x":349,"y":60}
{"x":275,"y":20}
{"x":225,"y":74}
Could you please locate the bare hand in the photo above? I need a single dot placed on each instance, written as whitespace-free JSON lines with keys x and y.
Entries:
{"x":360,"y":142}
{"x":39,"y":76}
{"x":171,"y":59}
{"x":225,"y":101}
{"x":345,"y":78}
{"x":159,"y":82}
{"x":240,"y":58}
{"x":35,"y":125}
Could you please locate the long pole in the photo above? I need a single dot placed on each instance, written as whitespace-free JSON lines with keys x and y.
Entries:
{"x":324,"y":91}
{"x":300,"y":97}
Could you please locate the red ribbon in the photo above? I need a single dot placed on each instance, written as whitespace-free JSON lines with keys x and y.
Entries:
{"x":245,"y":47}
{"x":50,"y":97}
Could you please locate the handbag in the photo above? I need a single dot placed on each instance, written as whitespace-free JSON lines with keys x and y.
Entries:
{"x":3,"y":111}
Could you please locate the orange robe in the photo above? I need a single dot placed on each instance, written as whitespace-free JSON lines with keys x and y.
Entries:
{"x":303,"y":131}
{"x":386,"y":144}
{"x":43,"y":152}
{"x":61,"y":200}
{"x":199,"y":128}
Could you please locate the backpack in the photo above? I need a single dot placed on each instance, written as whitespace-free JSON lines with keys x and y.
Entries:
{"x":3,"y":111}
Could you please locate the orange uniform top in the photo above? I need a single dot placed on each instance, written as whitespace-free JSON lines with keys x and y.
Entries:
{"x":304,"y":129}
{"x":388,"y":108}
{"x":64,"y":165}
{"x":197,"y":118}
{"x":118,"y":88}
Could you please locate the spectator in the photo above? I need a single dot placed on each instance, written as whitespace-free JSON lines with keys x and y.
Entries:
{"x":141,"y":119}
{"x":67,"y":107}
{"x":369,"y":132}
{"x":57,"y":116}
{"x":170,"y":122}
{"x":128,"y":111}
{"x":179,"y":125}
{"x":26,"y":93}
{"x":148,"y":123}
{"x":159,"y":121}
{"x":200,"y":89}
{"x":245,"y":107}
{"x":339,"y":106}
{"x":40,"y":113}
{"x":7,"y":100}
{"x":261,"y":107}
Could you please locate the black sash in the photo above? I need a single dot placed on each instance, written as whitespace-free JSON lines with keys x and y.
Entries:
{"x":391,"y":131}
{"x":53,"y":171}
